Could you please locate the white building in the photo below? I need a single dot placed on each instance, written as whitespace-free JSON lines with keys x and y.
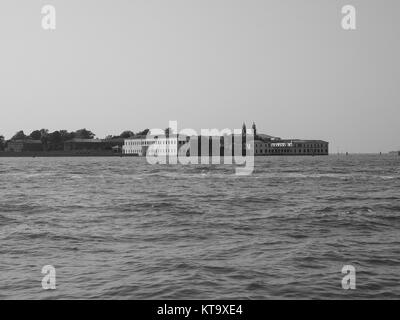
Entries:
{"x":158,"y":146}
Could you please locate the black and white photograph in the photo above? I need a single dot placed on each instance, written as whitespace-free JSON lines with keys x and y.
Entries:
{"x":214,"y":151}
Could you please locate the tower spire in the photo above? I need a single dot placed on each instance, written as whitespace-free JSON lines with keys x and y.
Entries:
{"x":244,"y":130}
{"x":254,"y":129}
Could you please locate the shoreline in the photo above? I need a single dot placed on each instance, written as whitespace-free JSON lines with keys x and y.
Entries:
{"x":44,"y":154}
{"x":67,"y":154}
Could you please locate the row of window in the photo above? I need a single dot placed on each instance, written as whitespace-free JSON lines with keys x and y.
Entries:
{"x":149,"y":142}
{"x":296,"y":145}
{"x":310,"y":145}
{"x":295,"y":151}
{"x":157,"y":151}
{"x":132,"y":151}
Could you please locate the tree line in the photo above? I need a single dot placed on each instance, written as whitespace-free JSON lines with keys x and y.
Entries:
{"x":55,"y":140}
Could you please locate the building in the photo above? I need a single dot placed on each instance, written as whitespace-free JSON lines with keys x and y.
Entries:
{"x":161,"y":146}
{"x":217,"y":145}
{"x":26,"y":145}
{"x":85,"y":145}
{"x":264,"y":145}
{"x":115,"y":144}
{"x":294,"y":147}
{"x":228,"y":145}
{"x":94,"y":145}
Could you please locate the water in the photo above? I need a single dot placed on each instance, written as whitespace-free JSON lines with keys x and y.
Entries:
{"x":120,"y":228}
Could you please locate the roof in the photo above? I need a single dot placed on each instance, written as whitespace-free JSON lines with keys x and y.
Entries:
{"x":305,"y":141}
{"x":292,"y":141}
{"x":26,"y":141}
{"x":86,"y":140}
{"x":115,"y":140}
{"x":180,"y":137}
{"x":266,"y":136}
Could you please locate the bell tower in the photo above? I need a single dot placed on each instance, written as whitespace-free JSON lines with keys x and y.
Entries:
{"x":244,"y":138}
{"x":254,"y":129}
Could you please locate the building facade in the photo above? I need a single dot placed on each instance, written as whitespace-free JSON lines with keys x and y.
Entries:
{"x":291,"y":147}
{"x":24,"y":146}
{"x":227,"y":145}
{"x":85,"y":145}
{"x":161,"y":146}
{"x":262,"y":147}
{"x":94,"y":145}
{"x":215,"y":146}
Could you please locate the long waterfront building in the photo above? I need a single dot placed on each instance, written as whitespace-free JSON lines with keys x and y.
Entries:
{"x":269,"y":147}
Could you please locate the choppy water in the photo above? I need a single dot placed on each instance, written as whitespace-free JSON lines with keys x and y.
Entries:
{"x":120,"y":228}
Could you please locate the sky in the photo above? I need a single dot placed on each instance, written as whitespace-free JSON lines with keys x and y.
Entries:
{"x":122,"y":65}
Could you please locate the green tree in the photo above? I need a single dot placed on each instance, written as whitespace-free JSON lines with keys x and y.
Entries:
{"x":20,"y":135}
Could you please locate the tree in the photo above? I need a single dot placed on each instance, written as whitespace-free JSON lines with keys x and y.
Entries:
{"x":65,"y":135}
{"x":44,"y":132}
{"x":20,"y":135}
{"x":145,"y":132}
{"x":127,"y":134}
{"x":55,"y":141}
{"x":44,"y":138}
{"x":2,"y":143}
{"x":36,"y":135}
{"x":84,"y":134}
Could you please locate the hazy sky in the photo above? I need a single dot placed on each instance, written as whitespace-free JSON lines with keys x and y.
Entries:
{"x":113,"y":65}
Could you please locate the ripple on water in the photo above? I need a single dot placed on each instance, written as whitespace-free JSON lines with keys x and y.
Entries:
{"x":120,"y":228}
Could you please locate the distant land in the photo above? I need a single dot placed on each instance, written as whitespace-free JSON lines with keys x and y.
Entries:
{"x":83,"y":142}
